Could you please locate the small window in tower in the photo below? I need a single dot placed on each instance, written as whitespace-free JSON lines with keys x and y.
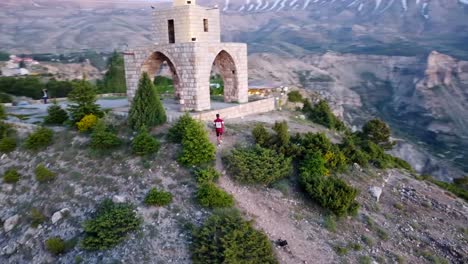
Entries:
{"x":205,"y":24}
{"x":189,"y":2}
{"x":194,"y":39}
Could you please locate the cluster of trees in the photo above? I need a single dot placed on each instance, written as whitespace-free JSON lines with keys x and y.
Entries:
{"x":32,"y":87}
{"x":114,"y":79}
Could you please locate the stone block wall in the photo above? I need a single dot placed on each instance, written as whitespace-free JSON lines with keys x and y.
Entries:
{"x":192,"y":66}
{"x":251,"y":108}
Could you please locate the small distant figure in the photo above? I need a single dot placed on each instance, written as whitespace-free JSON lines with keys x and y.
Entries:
{"x":219,"y":128}
{"x":45,"y":96}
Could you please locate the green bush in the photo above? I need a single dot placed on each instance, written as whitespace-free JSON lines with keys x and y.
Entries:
{"x":177,"y":131}
{"x":158,"y":198}
{"x":102,"y":139}
{"x":144,"y":143}
{"x":196,"y":146}
{"x":56,"y":115}
{"x":353,"y":153}
{"x":11,"y":176}
{"x":322,"y":114}
{"x":455,"y":188}
{"x":211,"y":196}
{"x":257,"y":165}
{"x":55,"y":245}
{"x":330,"y":192}
{"x":3,"y":114}
{"x":41,"y":138}
{"x":36,"y":217}
{"x":295,"y":97}
{"x":205,"y":175}
{"x":7,"y":144}
{"x":261,"y":135}
{"x":43,"y":174}
{"x":226,"y":238}
{"x":87,"y":122}
{"x":146,"y":108}
{"x":110,"y":225}
{"x":378,"y":132}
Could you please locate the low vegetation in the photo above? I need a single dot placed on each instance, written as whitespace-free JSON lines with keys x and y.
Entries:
{"x":55,"y":245}
{"x":158,"y":198}
{"x":110,"y":225}
{"x":257,"y":165}
{"x":36,"y":217}
{"x":322,"y":114}
{"x":458,"y":186}
{"x":226,"y":238}
{"x":11,"y":176}
{"x":87,"y":123}
{"x":39,"y":139}
{"x":295,"y":97}
{"x":211,"y":196}
{"x":144,"y":144}
{"x":102,"y":138}
{"x":7,"y":144}
{"x":43,"y":174}
{"x":204,"y":175}
{"x":177,"y":131}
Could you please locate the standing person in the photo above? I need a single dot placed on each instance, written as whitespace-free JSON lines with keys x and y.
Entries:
{"x":45,"y":96}
{"x":219,"y":128}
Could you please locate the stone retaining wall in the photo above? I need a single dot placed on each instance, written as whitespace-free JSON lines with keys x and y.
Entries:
{"x":257,"y":107}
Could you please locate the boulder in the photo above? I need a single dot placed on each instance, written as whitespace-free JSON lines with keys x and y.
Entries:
{"x":118,"y":199}
{"x":57,"y":216}
{"x":10,"y":223}
{"x":375,"y":192}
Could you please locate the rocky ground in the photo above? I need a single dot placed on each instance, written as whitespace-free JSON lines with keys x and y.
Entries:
{"x":413,"y":221}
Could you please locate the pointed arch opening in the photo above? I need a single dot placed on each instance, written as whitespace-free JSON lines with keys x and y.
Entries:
{"x":164,"y":75}
{"x":223,"y":78}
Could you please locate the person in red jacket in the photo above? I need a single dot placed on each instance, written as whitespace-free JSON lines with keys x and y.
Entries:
{"x":219,"y":128}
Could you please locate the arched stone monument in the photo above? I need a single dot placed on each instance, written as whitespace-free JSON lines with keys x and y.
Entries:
{"x":188,"y":39}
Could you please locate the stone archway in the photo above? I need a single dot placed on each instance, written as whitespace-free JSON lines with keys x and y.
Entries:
{"x":226,"y":66}
{"x":152,"y":65}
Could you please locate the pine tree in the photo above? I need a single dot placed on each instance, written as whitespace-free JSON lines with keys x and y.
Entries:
{"x":114,"y":80}
{"x":56,"y":115}
{"x":2,"y":112}
{"x":146,"y":108}
{"x":83,"y":99}
{"x":196,"y":146}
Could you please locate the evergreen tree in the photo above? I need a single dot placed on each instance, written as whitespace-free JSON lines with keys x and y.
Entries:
{"x":102,"y":138}
{"x":378,"y":132}
{"x":56,"y":115}
{"x":146,"y":108}
{"x":114,"y":79}
{"x":83,"y":99}
{"x":2,"y":112}
{"x":196,"y":146}
{"x":144,"y":143}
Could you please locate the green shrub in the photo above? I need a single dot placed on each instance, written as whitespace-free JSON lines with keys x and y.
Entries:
{"x":177,"y":131}
{"x":55,"y":245}
{"x":226,"y":238}
{"x":3,"y":114}
{"x":87,"y":122}
{"x":261,"y":135}
{"x":330,"y":192}
{"x":353,"y":153}
{"x":295,"y":97}
{"x":211,"y":196}
{"x":257,"y":165}
{"x":146,"y":108}
{"x":36,"y":217}
{"x":11,"y":176}
{"x":7,"y":144}
{"x":56,"y":115}
{"x":205,"y":175}
{"x":322,"y":114}
{"x":454,"y":188}
{"x":41,"y":138}
{"x":378,"y":132}
{"x":158,"y":198}
{"x":196,"y":146}
{"x":5,"y":129}
{"x":144,"y":143}
{"x":110,"y":225}
{"x":43,"y":174}
{"x":102,"y":139}
{"x":281,"y":137}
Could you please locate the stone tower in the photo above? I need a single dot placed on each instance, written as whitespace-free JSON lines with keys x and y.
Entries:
{"x":188,"y":39}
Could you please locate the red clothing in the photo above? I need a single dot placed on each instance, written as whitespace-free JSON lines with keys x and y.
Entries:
{"x":219,"y":125}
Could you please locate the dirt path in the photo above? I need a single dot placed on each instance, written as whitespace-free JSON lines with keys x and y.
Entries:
{"x":274,"y":215}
